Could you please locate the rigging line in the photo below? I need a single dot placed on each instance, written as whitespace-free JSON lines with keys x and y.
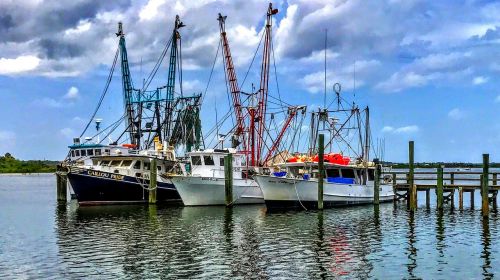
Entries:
{"x":251,"y":63}
{"x":105,"y":129}
{"x":211,"y":72}
{"x":115,"y":125}
{"x":276,"y":73}
{"x":179,"y":66}
{"x":108,"y":81}
{"x":156,"y":67}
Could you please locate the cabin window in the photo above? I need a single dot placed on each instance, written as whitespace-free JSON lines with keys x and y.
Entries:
{"x":348,"y":173}
{"x":83,"y":153}
{"x":371,"y":174}
{"x":97,"y":152}
{"x":106,"y":151}
{"x":105,"y":162}
{"x":158,"y":167}
{"x":77,"y":153}
{"x":221,"y":161}
{"x":147,"y":165}
{"x":137,"y":164}
{"x":126,"y":163}
{"x":333,"y":173}
{"x":115,"y":163}
{"x":209,"y":160}
{"x":196,"y":160}
{"x":90,"y":152}
{"x":73,"y":153}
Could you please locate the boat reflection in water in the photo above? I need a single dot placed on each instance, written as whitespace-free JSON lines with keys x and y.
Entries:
{"x":140,"y":241}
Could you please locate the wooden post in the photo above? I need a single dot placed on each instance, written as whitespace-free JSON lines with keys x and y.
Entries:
{"x":411,"y":181}
{"x":62,"y":188}
{"x":228,"y":182}
{"x":452,"y":178}
{"x":485,"y":208}
{"x":376,"y":185}
{"x":321,"y":152}
{"x":461,"y":198}
{"x":472,"y":199}
{"x":439,"y":188}
{"x":152,"y":182}
{"x":428,"y":198}
{"x":394,"y":184}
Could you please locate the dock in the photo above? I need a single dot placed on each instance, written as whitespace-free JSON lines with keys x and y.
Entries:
{"x":445,"y":184}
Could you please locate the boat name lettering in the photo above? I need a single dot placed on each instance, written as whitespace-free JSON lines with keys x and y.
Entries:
{"x":105,"y":175}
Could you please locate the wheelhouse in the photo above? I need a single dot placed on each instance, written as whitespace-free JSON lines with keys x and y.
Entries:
{"x":210,"y":163}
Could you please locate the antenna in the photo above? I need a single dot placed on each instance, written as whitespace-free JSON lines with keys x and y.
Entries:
{"x":98,"y":127}
{"x":324,"y":95}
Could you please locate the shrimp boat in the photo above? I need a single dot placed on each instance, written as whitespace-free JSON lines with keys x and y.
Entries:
{"x":123,"y":179}
{"x":202,"y":181}
{"x":294,"y":184}
{"x":297,"y":186}
{"x":157,"y":122}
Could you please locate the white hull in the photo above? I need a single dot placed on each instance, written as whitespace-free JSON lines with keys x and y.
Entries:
{"x":199,"y":191}
{"x":286,"y":192}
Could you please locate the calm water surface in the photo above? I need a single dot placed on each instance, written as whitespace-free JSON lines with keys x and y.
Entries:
{"x":41,"y":239}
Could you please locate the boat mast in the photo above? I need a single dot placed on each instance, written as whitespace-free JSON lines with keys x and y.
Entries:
{"x":169,"y":102}
{"x":238,"y":136}
{"x":263,"y":89}
{"x":132,"y":125}
{"x":367,"y":143}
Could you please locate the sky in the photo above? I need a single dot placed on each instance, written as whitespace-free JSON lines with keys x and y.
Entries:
{"x":426,"y":69}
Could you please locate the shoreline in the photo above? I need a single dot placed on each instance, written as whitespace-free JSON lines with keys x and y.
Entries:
{"x":25,"y":174}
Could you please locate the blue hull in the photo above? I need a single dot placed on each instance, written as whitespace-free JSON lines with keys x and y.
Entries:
{"x":93,"y":187}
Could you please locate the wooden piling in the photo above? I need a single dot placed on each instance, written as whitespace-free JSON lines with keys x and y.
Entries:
{"x":439,"y":188}
{"x":321,"y":152}
{"x":461,"y":198}
{"x":62,"y":188}
{"x":472,"y":199}
{"x":152,"y":182}
{"x":428,"y":198}
{"x":228,"y":182}
{"x":485,"y":208}
{"x":411,"y":182}
{"x":376,"y":185}
{"x":452,"y":178}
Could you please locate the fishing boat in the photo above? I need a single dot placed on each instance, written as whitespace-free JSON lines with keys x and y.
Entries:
{"x":203,"y":180}
{"x":156,"y":122}
{"x":296,"y":186}
{"x":348,"y":180}
{"x":124,"y":179}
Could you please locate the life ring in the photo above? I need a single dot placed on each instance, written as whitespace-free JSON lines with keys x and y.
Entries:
{"x":387,"y":179}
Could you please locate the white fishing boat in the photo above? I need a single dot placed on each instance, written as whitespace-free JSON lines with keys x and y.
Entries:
{"x":202,"y":182}
{"x":297,"y":186}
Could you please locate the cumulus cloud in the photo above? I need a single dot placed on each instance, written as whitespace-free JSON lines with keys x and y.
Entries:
{"x":401,"y":130}
{"x":456,"y":114}
{"x":18,"y":65}
{"x":410,"y":40}
{"x":479,"y":80}
{"x":72,"y":93}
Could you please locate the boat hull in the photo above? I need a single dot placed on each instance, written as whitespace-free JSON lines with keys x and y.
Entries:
{"x":93,"y":187}
{"x":201,"y":191}
{"x":282,"y":193}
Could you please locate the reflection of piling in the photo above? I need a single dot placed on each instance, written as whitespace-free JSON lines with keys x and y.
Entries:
{"x":228,"y":182}
{"x":321,"y":152}
{"x":62,"y":184}
{"x":485,"y":209}
{"x":411,"y":182}
{"x":152,"y":182}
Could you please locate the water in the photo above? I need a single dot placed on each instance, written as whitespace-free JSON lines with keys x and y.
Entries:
{"x":41,"y":239}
